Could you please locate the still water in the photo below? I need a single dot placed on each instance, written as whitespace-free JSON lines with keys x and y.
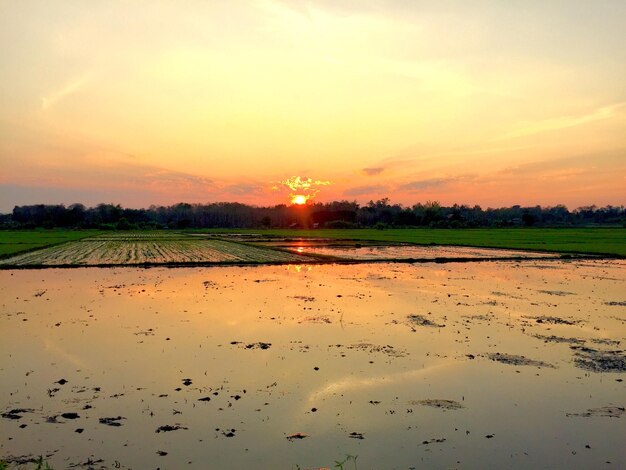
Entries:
{"x":468,"y":365}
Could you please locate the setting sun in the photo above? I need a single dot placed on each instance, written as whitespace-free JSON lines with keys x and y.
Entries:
{"x":299,"y":199}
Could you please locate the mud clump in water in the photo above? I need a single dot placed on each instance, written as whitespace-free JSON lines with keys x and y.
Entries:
{"x":259,"y":345}
{"x":420,"y":320}
{"x":434,"y":440}
{"x":599,"y":361}
{"x":112,"y":421}
{"x":605,"y":411}
{"x":168,"y":428}
{"x":558,"y":339}
{"x":554,"y":320}
{"x":441,"y":404}
{"x":608,"y":342}
{"x":374,"y":348}
{"x":560,"y":293}
{"x":16,"y":413}
{"x":515,"y":360}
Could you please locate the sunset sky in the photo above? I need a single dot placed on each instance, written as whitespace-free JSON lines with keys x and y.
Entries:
{"x":156,"y":102}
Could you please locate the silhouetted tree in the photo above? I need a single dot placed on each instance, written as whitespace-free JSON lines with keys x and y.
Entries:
{"x":340,"y":214}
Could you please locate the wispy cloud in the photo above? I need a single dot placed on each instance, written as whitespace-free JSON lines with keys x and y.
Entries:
{"x":373,"y":171}
{"x":167,"y":180}
{"x":369,"y":190}
{"x":583,"y":161}
{"x":68,"y":89}
{"x":244,"y":189}
{"x":527,"y":128}
{"x":429,"y":183}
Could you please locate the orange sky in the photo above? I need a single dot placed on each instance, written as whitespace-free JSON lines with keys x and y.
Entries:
{"x":156,"y":102}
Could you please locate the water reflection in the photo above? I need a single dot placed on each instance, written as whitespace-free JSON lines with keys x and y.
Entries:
{"x":348,"y":384}
{"x":299,"y":268}
{"x":240,"y":357}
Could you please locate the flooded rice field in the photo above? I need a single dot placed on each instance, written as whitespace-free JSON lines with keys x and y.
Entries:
{"x":415,"y":252}
{"x":188,"y":249}
{"x":462,"y":365}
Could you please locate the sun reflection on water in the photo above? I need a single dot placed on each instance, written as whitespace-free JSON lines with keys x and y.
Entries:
{"x":299,"y":268}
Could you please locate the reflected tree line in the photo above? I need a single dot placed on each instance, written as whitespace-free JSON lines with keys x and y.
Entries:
{"x":337,"y":214}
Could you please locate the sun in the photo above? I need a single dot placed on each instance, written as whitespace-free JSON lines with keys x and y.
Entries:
{"x":299,"y":199}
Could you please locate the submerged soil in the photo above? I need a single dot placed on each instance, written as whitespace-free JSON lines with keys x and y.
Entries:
{"x":482,"y":365}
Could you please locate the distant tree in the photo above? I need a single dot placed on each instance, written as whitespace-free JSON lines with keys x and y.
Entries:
{"x":336,"y":213}
{"x":123,"y":224}
{"x":528,"y":218}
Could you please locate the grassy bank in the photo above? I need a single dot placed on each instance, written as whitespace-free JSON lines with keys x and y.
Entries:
{"x":18,"y":241}
{"x":609,"y":241}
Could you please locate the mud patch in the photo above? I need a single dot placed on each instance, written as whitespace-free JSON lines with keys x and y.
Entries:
{"x":441,"y":404}
{"x":514,"y":360}
{"x":605,"y":341}
{"x":560,"y":293}
{"x":487,"y":317}
{"x":595,"y":360}
{"x":420,"y":320}
{"x":434,"y":441}
{"x":373,"y":348}
{"x":259,"y":345}
{"x":16,"y":413}
{"x":558,"y":339}
{"x":112,"y":421}
{"x":169,"y":427}
{"x":605,"y":411}
{"x":315,"y":319}
{"x":25,"y":459}
{"x":554,"y":320}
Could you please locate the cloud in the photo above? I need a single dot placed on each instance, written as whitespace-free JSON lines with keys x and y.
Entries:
{"x":297,"y":183}
{"x":69,"y":89}
{"x":163,"y":179}
{"x":301,"y":186}
{"x":373,"y":171}
{"x":420,"y":185}
{"x":563,"y":122}
{"x":366,"y":190}
{"x":607,"y":160}
{"x":244,"y":189}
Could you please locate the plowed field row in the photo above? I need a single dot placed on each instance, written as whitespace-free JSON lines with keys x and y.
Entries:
{"x":140,"y":236}
{"x":115,"y":252}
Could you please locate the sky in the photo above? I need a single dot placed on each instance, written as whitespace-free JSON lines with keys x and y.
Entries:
{"x":485,"y":102}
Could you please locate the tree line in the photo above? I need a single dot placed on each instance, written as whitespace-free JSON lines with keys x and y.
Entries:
{"x":337,"y":214}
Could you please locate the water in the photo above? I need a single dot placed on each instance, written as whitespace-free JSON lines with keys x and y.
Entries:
{"x":268,"y":345}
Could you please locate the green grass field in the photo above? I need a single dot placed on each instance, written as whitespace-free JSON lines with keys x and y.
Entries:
{"x":18,"y":241}
{"x":608,"y":241}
